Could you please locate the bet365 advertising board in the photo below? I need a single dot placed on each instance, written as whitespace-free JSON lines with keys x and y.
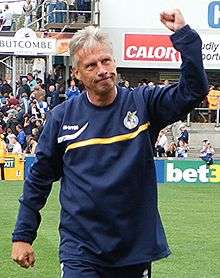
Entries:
{"x":189,"y":171}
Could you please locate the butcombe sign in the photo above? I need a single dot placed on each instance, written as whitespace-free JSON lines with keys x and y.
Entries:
{"x":26,"y":42}
{"x":26,"y":46}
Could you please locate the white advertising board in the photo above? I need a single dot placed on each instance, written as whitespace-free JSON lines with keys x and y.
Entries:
{"x":201,"y":14}
{"x":135,"y":49}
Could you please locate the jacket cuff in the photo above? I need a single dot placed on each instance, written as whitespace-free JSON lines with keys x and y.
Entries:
{"x":184,"y":35}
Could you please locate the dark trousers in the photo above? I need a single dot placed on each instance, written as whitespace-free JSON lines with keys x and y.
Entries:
{"x":6,"y":28}
{"x":2,"y":171}
{"x":208,"y":159}
{"x":88,"y":270}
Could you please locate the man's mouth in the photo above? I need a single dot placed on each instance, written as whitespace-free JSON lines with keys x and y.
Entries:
{"x":103,"y":79}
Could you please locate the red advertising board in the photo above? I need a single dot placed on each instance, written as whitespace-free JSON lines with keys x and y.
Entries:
{"x":146,"y":47}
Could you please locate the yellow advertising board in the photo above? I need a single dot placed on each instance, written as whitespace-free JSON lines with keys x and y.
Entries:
{"x":14,"y":167}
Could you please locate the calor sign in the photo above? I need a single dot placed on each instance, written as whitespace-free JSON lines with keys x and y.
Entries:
{"x":144,"y":47}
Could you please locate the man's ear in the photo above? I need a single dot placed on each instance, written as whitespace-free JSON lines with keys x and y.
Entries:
{"x":76,"y":73}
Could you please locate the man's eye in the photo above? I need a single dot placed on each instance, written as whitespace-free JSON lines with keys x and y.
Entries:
{"x":106,"y":61}
{"x":90,"y":66}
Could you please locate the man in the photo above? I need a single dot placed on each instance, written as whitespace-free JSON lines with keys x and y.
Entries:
{"x":21,"y":136}
{"x":32,"y":83}
{"x":6,"y":19}
{"x":24,"y":88}
{"x":207,"y":152}
{"x":53,"y":97}
{"x":73,"y":90}
{"x":100,"y":145}
{"x":28,"y":13}
{"x":17,"y":149}
{"x":184,"y":135}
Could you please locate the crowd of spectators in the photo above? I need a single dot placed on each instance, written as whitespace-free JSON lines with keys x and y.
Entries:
{"x":22,"y":117}
{"x":178,"y":148}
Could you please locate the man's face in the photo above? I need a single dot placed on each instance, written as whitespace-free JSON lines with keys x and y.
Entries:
{"x":96,"y":69}
{"x":51,"y":88}
{"x":29,"y":77}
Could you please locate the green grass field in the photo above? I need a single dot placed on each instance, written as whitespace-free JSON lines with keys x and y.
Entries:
{"x":190,"y":213}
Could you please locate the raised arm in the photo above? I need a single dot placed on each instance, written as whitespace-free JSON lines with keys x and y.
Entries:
{"x":171,"y":103}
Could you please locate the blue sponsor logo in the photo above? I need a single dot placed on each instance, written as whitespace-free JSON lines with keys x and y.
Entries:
{"x":214,"y":14}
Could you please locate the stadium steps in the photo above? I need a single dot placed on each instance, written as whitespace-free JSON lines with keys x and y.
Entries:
{"x":197,"y":133}
{"x":200,"y":131}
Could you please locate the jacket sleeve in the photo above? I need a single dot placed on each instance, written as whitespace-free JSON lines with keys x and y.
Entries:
{"x":171,"y":103}
{"x":46,"y":169}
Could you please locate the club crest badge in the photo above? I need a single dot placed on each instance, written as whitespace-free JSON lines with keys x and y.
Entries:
{"x":131,"y":120}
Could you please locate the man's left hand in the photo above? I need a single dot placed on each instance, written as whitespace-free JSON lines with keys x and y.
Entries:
{"x":172,"y":19}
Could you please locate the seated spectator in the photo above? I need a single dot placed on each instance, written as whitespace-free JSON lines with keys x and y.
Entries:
{"x":31,"y":145}
{"x":182,"y":149}
{"x":184,"y":135}
{"x":171,"y":150}
{"x":53,"y":97}
{"x":23,"y":88}
{"x":125,"y":84}
{"x":12,"y":100}
{"x":6,"y":88}
{"x":38,"y":8}
{"x":84,"y":5}
{"x":38,"y":93}
{"x":73,"y":90}
{"x":51,"y":11}
{"x":11,"y":122}
{"x":60,"y":16}
{"x":87,"y":4}
{"x":27,"y":9}
{"x":151,"y":84}
{"x":39,"y":125}
{"x":42,"y":106}
{"x":35,"y":134}
{"x":161,"y":143}
{"x":17,"y":149}
{"x":6,"y":17}
{"x":21,"y":136}
{"x":33,"y":110}
{"x":207,"y":152}
{"x":28,"y":125}
{"x":9,"y":139}
{"x":24,"y":103}
{"x":20,"y":115}
{"x":31,"y":81}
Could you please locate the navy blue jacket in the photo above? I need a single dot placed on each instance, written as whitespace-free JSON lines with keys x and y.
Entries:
{"x":104,"y":158}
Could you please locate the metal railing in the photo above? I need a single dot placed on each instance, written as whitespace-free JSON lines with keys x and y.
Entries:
{"x":206,"y":115}
{"x":66,"y":16}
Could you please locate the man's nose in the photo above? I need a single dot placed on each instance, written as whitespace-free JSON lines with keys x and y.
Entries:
{"x":101,"y":69}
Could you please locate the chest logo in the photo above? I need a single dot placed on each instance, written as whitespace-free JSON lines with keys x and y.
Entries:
{"x":131,"y":120}
{"x":72,"y":136}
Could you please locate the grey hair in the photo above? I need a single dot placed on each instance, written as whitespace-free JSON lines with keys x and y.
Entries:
{"x":88,"y":38}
